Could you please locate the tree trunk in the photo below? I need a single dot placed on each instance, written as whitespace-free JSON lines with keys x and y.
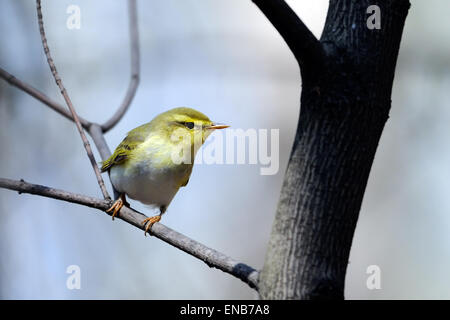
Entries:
{"x":347,"y":81}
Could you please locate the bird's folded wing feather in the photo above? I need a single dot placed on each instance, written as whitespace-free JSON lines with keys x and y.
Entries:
{"x":125,"y":148}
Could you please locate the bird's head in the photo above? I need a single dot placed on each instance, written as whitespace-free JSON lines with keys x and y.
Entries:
{"x":185,"y":127}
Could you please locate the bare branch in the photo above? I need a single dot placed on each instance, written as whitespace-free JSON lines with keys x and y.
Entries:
{"x":100,"y":143}
{"x":211,"y":257}
{"x":304,"y":45}
{"x":135,"y":66}
{"x":95,"y":131}
{"x":132,"y":87}
{"x":25,"y":187}
{"x":58,"y":81}
{"x":12,"y":80}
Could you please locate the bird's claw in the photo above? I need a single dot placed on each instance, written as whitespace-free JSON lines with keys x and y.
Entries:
{"x":149,"y":222}
{"x":117,"y":205}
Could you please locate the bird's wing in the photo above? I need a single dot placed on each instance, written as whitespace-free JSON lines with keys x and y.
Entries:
{"x":184,"y":178}
{"x":123,"y":150}
{"x":184,"y":183}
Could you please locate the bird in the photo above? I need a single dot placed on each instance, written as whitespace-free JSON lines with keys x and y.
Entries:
{"x":156,"y":159}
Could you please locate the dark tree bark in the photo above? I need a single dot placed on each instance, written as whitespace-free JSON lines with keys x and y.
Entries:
{"x":347,"y":81}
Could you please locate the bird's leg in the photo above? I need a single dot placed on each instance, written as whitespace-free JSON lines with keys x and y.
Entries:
{"x":150,"y":221}
{"x":117,"y":205}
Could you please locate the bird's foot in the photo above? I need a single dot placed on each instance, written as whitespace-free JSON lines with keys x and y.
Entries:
{"x":117,"y":205}
{"x":149,"y":222}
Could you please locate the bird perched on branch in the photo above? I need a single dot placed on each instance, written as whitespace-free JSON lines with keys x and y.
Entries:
{"x":156,"y":159}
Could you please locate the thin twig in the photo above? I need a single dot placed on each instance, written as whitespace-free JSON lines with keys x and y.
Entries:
{"x":135,"y":67}
{"x":94,"y":129}
{"x":132,"y":86}
{"x":12,"y":80}
{"x":58,"y":80}
{"x":97,"y":136}
{"x":211,"y":257}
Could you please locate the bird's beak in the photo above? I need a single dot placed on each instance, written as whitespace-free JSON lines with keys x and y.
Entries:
{"x":215,"y":126}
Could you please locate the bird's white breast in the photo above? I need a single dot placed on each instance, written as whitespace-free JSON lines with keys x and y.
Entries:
{"x":146,"y":180}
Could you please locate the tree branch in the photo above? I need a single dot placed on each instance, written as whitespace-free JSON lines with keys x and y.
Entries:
{"x":12,"y":80}
{"x":132,"y":87}
{"x":306,"y":48}
{"x":58,"y":81}
{"x":211,"y":257}
{"x":135,"y":66}
{"x":95,"y":131}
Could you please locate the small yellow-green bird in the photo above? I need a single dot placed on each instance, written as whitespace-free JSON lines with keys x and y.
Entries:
{"x":156,"y":159}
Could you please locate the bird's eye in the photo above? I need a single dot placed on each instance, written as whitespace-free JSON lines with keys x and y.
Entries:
{"x":189,"y":125}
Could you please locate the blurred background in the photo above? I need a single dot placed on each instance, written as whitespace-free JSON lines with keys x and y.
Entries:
{"x":225,"y":59}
